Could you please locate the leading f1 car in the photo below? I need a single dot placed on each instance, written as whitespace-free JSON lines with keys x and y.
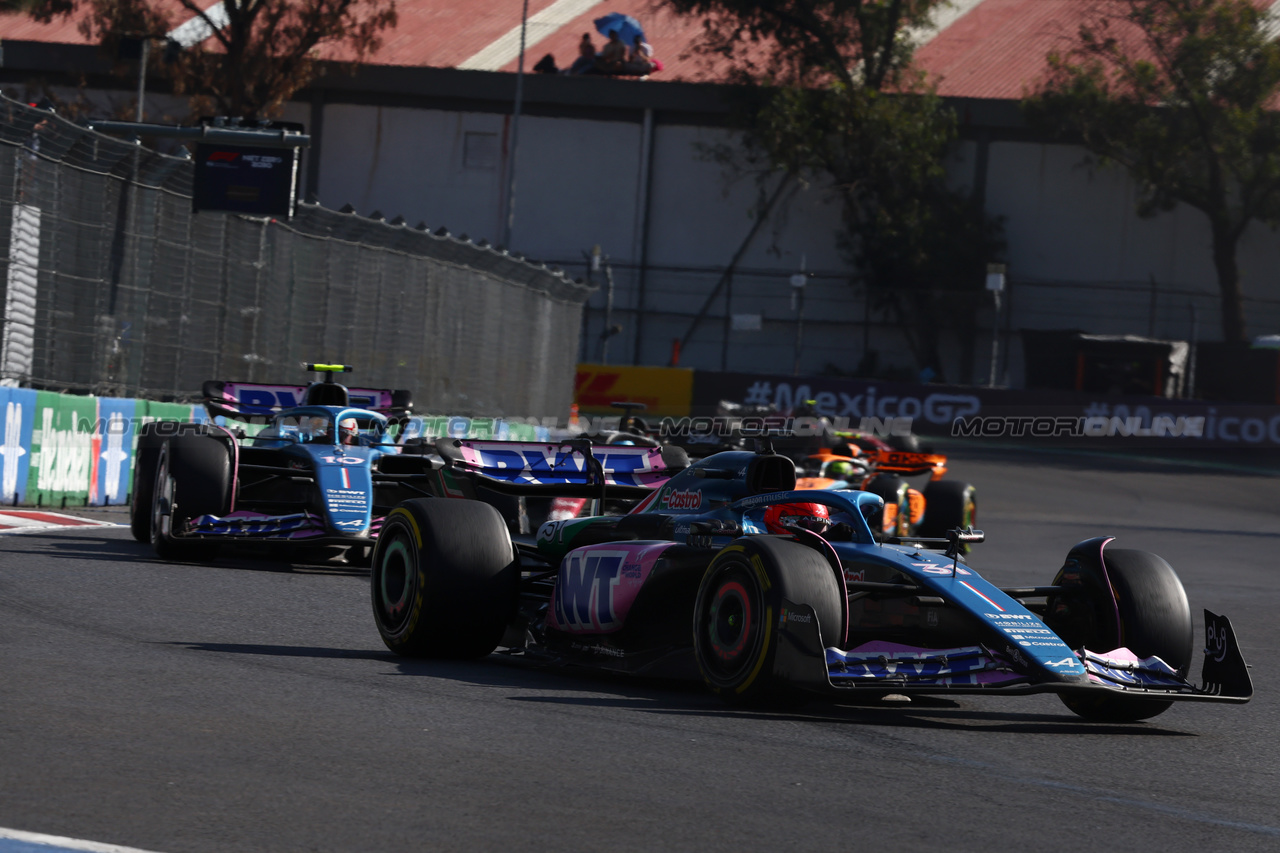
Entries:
{"x":728,"y":574}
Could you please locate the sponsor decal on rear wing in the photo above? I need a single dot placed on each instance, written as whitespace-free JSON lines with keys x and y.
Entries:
{"x":568,"y":468}
{"x":903,"y":462}
{"x":247,"y":399}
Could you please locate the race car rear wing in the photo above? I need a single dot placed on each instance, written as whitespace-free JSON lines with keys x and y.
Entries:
{"x":573,"y":468}
{"x":247,"y":400}
{"x":903,"y":462}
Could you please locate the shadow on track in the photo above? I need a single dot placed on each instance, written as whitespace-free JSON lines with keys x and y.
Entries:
{"x":81,"y":547}
{"x":667,"y":697}
{"x":944,"y":714}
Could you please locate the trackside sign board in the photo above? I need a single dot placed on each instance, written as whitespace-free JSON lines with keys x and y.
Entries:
{"x":238,"y":179}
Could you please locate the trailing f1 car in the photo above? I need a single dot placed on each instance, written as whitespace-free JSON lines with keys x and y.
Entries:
{"x":317,"y":474}
{"x":941,"y":506}
{"x":323,"y":473}
{"x":728,"y":574}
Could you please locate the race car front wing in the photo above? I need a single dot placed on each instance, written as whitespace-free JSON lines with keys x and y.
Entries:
{"x":889,"y":667}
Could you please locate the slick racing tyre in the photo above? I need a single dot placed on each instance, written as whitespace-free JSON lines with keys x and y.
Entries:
{"x":193,"y":478}
{"x":1153,"y":616}
{"x":510,"y":507}
{"x":445,"y":580}
{"x":948,"y":504}
{"x":895,"y":518}
{"x":736,"y":617}
{"x":144,"y":482}
{"x":151,"y":439}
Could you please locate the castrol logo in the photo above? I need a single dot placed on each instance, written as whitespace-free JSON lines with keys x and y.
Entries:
{"x":684,"y":500}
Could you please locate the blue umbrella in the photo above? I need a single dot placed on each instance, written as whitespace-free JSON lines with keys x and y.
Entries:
{"x":627,"y":27}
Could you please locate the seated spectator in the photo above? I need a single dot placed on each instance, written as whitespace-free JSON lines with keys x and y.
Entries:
{"x":546,"y":65}
{"x":640,"y":59}
{"x":586,"y":61}
{"x":613,"y":56}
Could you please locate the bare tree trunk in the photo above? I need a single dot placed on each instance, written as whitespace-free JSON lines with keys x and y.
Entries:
{"x":1229,"y":291}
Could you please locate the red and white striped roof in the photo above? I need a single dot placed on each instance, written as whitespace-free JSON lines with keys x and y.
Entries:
{"x":976,"y":48}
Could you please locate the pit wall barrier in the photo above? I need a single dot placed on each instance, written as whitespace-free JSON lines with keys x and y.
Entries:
{"x":64,"y":450}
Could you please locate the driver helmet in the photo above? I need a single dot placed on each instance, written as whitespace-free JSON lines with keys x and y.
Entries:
{"x":840,"y":469}
{"x":780,"y":518}
{"x":348,"y":431}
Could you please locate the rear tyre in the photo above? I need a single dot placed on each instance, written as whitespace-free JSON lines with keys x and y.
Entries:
{"x":737,"y":612}
{"x":948,"y":504}
{"x":510,"y":507}
{"x":445,"y":580}
{"x":1153,"y":612}
{"x":895,"y":518}
{"x":193,"y":478}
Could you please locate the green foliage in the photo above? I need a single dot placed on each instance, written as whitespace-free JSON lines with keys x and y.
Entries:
{"x":828,"y":93}
{"x":266,"y":50}
{"x":1181,"y":93}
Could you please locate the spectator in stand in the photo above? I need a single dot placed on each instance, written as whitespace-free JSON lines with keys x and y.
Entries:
{"x":586,"y":61}
{"x":640,"y":60}
{"x":613,"y":57}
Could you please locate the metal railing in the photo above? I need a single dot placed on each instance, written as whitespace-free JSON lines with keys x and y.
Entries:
{"x":113,"y":287}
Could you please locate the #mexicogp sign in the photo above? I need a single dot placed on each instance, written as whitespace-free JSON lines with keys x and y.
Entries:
{"x":239,"y":179}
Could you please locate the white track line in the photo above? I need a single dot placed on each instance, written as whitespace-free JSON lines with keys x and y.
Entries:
{"x":56,"y":842}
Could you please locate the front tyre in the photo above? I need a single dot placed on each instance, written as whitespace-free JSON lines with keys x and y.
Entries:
{"x":948,"y":504}
{"x":738,"y":610}
{"x":444,"y":580}
{"x":1148,"y":614}
{"x":193,"y":478}
{"x":146,"y":458}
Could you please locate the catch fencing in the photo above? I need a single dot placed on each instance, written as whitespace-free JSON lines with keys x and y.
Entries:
{"x":113,"y":287}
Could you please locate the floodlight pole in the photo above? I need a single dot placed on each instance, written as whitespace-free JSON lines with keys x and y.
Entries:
{"x":142,"y":75}
{"x":515,"y":133}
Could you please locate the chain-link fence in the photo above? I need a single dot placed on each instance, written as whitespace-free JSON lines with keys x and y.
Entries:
{"x":112,"y":286}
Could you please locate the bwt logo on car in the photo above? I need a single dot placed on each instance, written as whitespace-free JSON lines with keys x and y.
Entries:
{"x":585,"y":589}
{"x":534,"y":466}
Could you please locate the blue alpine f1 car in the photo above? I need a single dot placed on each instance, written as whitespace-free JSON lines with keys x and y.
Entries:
{"x":726,"y":573}
{"x":325,"y":471}
{"x":322,"y":472}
